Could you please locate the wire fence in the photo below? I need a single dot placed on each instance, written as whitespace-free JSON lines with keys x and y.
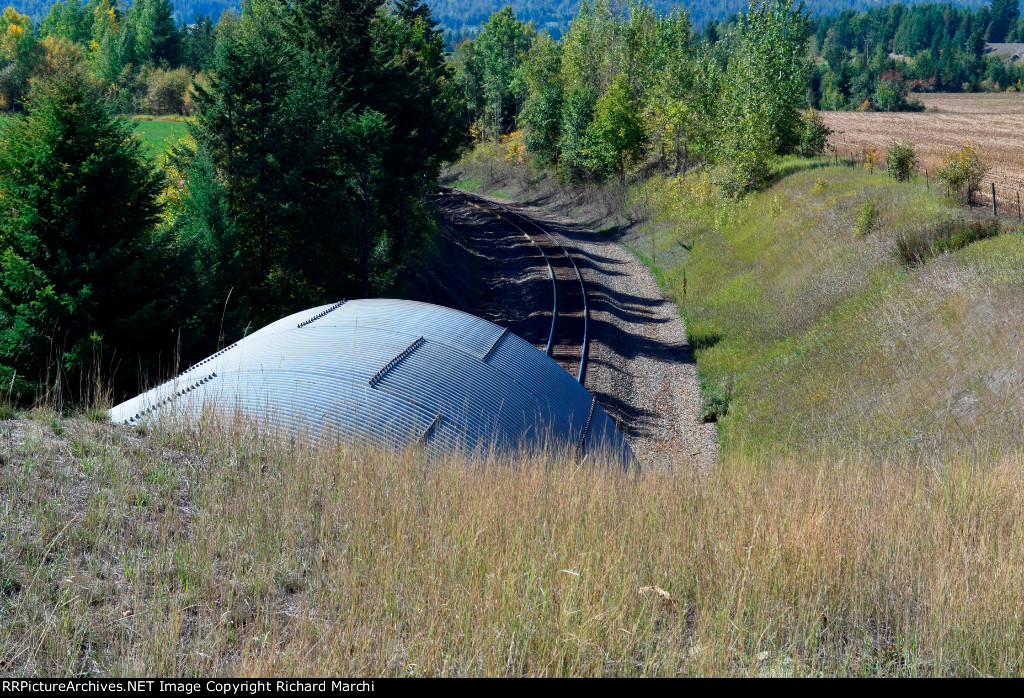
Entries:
{"x":1001,"y":199}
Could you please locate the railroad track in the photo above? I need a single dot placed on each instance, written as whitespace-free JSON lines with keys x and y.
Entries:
{"x":567,"y":338}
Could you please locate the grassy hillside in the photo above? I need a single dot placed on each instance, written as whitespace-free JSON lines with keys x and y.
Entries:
{"x":864,"y":519}
{"x":820,"y":339}
{"x":217,"y":552}
{"x":827,"y":337}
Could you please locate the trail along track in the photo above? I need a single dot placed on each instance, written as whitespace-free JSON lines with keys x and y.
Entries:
{"x":638,"y":362}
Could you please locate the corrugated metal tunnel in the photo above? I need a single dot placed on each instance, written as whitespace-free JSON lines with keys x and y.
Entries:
{"x":394,"y":372}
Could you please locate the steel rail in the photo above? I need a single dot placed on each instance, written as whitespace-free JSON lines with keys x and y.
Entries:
{"x":551,"y":271}
{"x":581,"y":371}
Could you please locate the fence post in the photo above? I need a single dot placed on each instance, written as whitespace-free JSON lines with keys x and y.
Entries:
{"x":995,"y":210}
{"x":927,"y":182}
{"x":1018,"y":205}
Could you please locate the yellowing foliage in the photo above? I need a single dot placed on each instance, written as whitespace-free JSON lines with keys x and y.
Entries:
{"x":964,"y":166}
{"x":872,"y":158}
{"x":58,"y":53}
{"x":514,"y":146}
{"x":175,"y":181}
{"x":16,"y":39}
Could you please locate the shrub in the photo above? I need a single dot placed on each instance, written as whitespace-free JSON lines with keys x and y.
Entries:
{"x":871,"y":158}
{"x":916,"y":247}
{"x":962,"y":168}
{"x":699,"y":187}
{"x":901,"y":161}
{"x":820,"y":185}
{"x":514,"y":147}
{"x":813,"y":134}
{"x":167,"y":90}
{"x":866,"y":219}
{"x":715,"y":404}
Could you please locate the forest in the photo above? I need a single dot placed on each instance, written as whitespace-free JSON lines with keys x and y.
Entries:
{"x":460,"y":19}
{"x":876,"y":58}
{"x":318,"y":130}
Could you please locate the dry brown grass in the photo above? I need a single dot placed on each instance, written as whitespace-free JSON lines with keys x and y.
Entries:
{"x":994,"y":121}
{"x":215,"y":551}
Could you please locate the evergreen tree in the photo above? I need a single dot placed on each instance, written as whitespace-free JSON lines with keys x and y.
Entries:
{"x":156,"y":35}
{"x":1005,"y":14}
{"x":243,"y":126}
{"x":79,"y":262}
{"x":197,"y":42}
{"x":411,"y":10}
{"x":68,"y":19}
{"x":413,"y":86}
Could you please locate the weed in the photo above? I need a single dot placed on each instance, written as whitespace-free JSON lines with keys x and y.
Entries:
{"x":715,"y":401}
{"x":701,"y":335}
{"x":367,"y":561}
{"x":918,"y":246}
{"x":867,"y":218}
{"x":96,"y":414}
{"x":901,"y":161}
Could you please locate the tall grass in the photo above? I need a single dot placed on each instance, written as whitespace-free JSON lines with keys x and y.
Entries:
{"x":218,"y":551}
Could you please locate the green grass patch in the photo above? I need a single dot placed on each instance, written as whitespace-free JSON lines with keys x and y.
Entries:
{"x":159,"y":134}
{"x":918,"y":246}
{"x":468,"y":184}
{"x":811,"y":332}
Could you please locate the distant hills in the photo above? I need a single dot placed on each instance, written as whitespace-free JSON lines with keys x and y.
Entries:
{"x":463,"y":17}
{"x":185,"y":10}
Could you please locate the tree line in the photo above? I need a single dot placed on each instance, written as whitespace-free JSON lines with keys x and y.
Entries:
{"x":626,"y":84}
{"x":140,"y":56}
{"x":462,"y":19}
{"x":319,"y":132}
{"x":319,"y":129}
{"x":876,"y":59}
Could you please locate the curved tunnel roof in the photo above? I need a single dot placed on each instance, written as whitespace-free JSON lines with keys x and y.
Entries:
{"x":393,"y":371}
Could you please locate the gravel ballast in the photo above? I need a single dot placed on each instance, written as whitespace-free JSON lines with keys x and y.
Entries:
{"x":641,"y":367}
